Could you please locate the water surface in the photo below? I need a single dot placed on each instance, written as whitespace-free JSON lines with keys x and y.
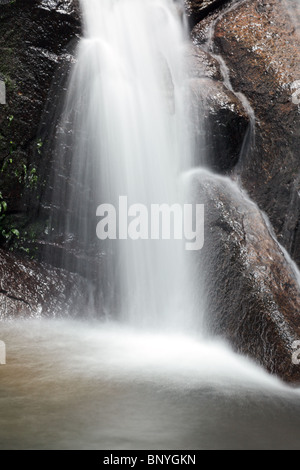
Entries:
{"x":72,"y":385}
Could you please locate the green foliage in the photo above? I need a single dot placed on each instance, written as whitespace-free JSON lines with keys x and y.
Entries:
{"x":3,"y":206}
{"x":27,"y":177}
{"x":17,"y":174}
{"x":9,"y":233}
{"x":16,"y":238}
{"x":39,"y":146}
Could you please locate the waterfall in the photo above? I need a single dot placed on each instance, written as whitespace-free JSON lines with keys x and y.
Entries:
{"x":123,"y":133}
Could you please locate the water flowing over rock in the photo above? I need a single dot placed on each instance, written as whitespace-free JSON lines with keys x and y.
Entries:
{"x":31,"y":290}
{"x":250,"y":286}
{"x":123,"y":133}
{"x":259,"y":41}
{"x":220,"y":124}
{"x":202,"y":64}
{"x":199,"y":9}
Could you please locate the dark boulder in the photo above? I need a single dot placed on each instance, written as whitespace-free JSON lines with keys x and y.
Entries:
{"x":31,"y":290}
{"x":220,"y":124}
{"x":251,"y":288}
{"x":196,"y":10}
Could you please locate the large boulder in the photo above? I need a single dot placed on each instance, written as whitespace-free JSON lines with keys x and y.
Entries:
{"x":31,"y":290}
{"x":260,"y":42}
{"x":250,"y":285}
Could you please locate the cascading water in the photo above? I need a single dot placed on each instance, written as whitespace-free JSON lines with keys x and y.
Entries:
{"x":123,"y":133}
{"x":125,"y":111}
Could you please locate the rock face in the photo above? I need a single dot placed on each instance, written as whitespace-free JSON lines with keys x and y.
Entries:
{"x":220,"y":121}
{"x":260,"y":42}
{"x":198,"y":9}
{"x":251,"y":288}
{"x":37,"y":38}
{"x":220,"y":124}
{"x":29,"y":289}
{"x":34,"y":35}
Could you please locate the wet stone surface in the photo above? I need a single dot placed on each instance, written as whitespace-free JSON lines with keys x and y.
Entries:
{"x":251,"y":289}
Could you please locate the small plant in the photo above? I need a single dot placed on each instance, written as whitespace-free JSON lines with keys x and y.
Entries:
{"x":17,"y":177}
{"x":32,"y":179}
{"x":3,"y":206}
{"x":12,"y":148}
{"x":39,"y":146}
{"x":8,"y":233}
{"x":10,"y":119}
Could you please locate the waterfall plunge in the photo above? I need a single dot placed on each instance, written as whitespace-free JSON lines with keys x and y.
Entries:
{"x":124,"y":133}
{"x":153,"y":391}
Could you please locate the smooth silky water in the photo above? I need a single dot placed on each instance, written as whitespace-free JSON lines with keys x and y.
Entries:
{"x":127,"y":127}
{"x":75,"y":385}
{"x":145,"y":382}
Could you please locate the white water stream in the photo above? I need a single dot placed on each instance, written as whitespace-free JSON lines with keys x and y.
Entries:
{"x":126,"y":101}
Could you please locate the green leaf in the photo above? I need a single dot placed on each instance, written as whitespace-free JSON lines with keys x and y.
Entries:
{"x":15,"y":232}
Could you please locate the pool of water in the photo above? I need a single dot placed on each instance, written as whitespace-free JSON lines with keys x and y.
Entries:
{"x":80,"y":385}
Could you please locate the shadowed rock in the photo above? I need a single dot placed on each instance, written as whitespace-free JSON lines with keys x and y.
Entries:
{"x":220,"y":124}
{"x":34,"y":35}
{"x":251,"y":288}
{"x":32,"y":290}
{"x":198,"y":9}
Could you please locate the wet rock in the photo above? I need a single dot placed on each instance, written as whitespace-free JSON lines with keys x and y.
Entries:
{"x":61,"y":251}
{"x":196,"y":10}
{"x":202,"y":64}
{"x":250,"y":287}
{"x":34,"y":39}
{"x":29,"y":289}
{"x":260,"y":43}
{"x":220,"y":124}
{"x":66,"y":7}
{"x":202,"y":30}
